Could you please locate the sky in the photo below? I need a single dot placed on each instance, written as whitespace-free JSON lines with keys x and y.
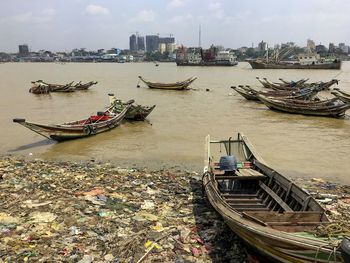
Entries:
{"x":61,"y":25}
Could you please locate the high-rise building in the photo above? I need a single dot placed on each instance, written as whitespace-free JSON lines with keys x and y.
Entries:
{"x":133,"y":43}
{"x":167,"y":40}
{"x":23,"y":50}
{"x":331,"y":48}
{"x":140,"y":43}
{"x":262,"y":46}
{"x":311,"y":47}
{"x":152,"y":43}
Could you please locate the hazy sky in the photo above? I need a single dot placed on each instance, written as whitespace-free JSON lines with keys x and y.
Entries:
{"x":92,"y":24}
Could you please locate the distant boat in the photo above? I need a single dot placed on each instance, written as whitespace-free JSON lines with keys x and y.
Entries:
{"x":304,"y":61}
{"x":180,"y":85}
{"x":201,"y":57}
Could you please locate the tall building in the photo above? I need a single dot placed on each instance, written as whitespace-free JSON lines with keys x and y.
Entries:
{"x":133,"y":43}
{"x":311,"y":47}
{"x":262,"y":46}
{"x":140,"y":43}
{"x":152,"y":43}
{"x":331,"y":48}
{"x":23,"y":50}
{"x":167,"y":40}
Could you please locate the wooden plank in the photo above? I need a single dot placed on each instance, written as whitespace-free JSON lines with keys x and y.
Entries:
{"x":246,"y":215}
{"x":228,"y":195}
{"x":290,"y":217}
{"x":252,"y":209}
{"x":250,"y":172}
{"x":237,"y":178}
{"x":275,"y":196}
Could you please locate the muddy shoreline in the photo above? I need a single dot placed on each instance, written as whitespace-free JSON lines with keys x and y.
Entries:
{"x":91,"y":211}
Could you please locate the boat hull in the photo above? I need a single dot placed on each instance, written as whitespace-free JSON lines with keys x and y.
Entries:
{"x":207,"y":64}
{"x":262,"y":65}
{"x":272,"y":233}
{"x":331,"y":111}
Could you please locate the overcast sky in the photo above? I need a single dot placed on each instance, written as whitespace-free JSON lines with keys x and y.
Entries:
{"x":93,"y":24}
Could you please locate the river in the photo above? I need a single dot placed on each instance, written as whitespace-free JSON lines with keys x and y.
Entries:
{"x":296,"y":145}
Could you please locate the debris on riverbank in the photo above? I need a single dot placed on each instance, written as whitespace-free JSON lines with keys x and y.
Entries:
{"x":60,"y":211}
{"x":93,"y":212}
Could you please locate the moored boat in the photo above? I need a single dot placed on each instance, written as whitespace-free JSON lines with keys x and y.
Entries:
{"x":271,"y":214}
{"x":84,"y":86}
{"x":179,"y":85}
{"x":101,"y":122}
{"x":41,"y":87}
{"x":342,"y":95}
{"x":327,"y":108}
{"x":136,"y":112}
{"x":256,"y":64}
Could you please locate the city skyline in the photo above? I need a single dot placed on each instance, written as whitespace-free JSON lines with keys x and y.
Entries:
{"x":66,"y":25}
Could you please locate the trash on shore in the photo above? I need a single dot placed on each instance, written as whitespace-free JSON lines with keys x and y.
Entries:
{"x":96,"y":212}
{"x":92,"y":212}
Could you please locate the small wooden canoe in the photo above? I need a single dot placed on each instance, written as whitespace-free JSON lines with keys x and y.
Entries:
{"x":267,"y":211}
{"x":103,"y":121}
{"x":180,"y":85}
{"x":136,"y":112}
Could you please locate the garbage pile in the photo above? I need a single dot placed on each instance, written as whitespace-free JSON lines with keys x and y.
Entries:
{"x":94,"y":212}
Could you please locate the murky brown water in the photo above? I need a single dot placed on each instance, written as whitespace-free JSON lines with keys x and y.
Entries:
{"x":294,"y":144}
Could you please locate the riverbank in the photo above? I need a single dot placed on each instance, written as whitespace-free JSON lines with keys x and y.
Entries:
{"x":99,"y":212}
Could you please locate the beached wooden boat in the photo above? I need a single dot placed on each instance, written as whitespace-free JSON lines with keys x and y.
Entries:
{"x":103,"y":121}
{"x":84,"y":86}
{"x":180,"y":85}
{"x":328,"y":108}
{"x":41,"y":87}
{"x":136,"y":112}
{"x":342,"y":95}
{"x":271,"y":214}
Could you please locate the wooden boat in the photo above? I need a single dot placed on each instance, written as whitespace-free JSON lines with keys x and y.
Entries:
{"x":85,"y":86}
{"x":286,"y":84}
{"x":135,"y":112}
{"x":103,"y":121}
{"x":330,"y":107}
{"x":258,"y":64}
{"x":341,"y":95}
{"x":247,"y":93}
{"x":271,"y":214}
{"x":298,"y":85}
{"x":41,"y":87}
{"x":180,"y":85}
{"x":300,"y":94}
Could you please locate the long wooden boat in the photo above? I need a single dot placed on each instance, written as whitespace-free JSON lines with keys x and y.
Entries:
{"x":342,"y":95}
{"x":180,"y":85}
{"x":256,"y":64}
{"x":84,"y":86}
{"x":103,"y":121}
{"x":41,"y":87}
{"x":136,"y":112}
{"x":271,"y":214}
{"x":298,"y":84}
{"x":287,"y":84}
{"x":330,"y":107}
{"x":252,"y":94}
{"x":248,"y":94}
